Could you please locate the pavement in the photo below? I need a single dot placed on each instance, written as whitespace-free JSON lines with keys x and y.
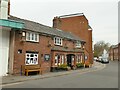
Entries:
{"x":14,"y":79}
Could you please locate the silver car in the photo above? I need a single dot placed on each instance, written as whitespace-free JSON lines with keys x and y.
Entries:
{"x":104,"y":60}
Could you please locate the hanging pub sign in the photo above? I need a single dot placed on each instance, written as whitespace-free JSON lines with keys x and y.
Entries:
{"x":47,"y":57}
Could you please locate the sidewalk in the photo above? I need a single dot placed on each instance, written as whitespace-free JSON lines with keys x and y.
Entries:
{"x":15,"y":79}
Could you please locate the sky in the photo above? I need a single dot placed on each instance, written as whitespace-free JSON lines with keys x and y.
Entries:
{"x":101,"y":14}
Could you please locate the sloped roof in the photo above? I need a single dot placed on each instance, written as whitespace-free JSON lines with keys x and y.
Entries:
{"x":55,"y":48}
{"x":37,"y":27}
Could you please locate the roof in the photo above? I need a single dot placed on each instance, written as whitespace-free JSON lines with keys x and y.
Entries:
{"x":37,"y":27}
{"x":89,"y":27}
{"x":114,"y":46}
{"x":71,"y":15}
{"x":65,"y":50}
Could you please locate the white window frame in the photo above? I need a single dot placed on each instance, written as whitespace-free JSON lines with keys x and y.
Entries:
{"x":58,"y":41}
{"x":62,"y":59}
{"x":33,"y":37}
{"x":34,"y":59}
{"x":78,"y":44}
{"x":56,"y":59}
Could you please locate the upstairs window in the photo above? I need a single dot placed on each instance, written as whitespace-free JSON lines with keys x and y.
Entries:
{"x":78,"y":44}
{"x":34,"y":37}
{"x":58,"y":41}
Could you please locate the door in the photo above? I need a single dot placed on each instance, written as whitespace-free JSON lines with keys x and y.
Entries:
{"x":70,"y":58}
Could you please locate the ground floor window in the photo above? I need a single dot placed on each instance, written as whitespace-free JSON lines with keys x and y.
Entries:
{"x":31,"y":59}
{"x":59,"y":59}
{"x":79,"y":58}
{"x":62,"y":57}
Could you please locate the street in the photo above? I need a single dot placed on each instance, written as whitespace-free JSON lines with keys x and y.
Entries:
{"x":103,"y":78}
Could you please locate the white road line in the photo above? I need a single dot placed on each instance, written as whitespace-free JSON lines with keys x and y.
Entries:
{"x":10,"y":84}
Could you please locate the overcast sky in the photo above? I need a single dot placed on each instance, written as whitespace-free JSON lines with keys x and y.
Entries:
{"x":101,"y":14}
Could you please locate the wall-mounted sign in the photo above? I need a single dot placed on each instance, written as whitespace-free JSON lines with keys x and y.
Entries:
{"x":47,"y":57}
{"x":86,"y":57}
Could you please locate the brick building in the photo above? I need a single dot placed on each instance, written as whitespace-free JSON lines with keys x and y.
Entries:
{"x":78,"y":25}
{"x":114,"y":52}
{"x":31,"y":43}
{"x":48,"y":47}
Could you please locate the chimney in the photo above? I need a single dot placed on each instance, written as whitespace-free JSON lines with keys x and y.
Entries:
{"x":3,"y":9}
{"x":56,"y":22}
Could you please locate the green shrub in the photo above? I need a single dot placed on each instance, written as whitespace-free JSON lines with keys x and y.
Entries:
{"x":63,"y":66}
{"x":79,"y":64}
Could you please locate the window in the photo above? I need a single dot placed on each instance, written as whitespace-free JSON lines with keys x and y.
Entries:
{"x":57,"y":41}
{"x":78,"y":44}
{"x":62,"y":59}
{"x":57,"y":59}
{"x":34,"y":37}
{"x":78,"y":58}
{"x":31,"y":59}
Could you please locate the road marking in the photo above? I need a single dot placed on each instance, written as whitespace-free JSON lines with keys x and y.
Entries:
{"x":10,"y":84}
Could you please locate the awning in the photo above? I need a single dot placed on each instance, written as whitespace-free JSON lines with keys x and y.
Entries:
{"x":11,"y":23}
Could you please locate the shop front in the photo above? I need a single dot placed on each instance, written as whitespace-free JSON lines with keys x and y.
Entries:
{"x":66,"y":60}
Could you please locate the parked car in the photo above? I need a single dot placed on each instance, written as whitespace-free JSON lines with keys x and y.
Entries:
{"x":104,"y":60}
{"x":99,"y":59}
{"x":95,"y":58}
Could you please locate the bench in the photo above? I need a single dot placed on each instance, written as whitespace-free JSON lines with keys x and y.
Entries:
{"x":31,"y":68}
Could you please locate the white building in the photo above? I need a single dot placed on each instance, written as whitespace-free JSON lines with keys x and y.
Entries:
{"x":6,"y":26}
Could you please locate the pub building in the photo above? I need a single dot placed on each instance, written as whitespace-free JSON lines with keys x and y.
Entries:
{"x":37,"y":44}
{"x":28,"y":43}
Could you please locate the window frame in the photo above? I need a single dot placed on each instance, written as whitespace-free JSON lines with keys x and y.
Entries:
{"x":58,"y":41}
{"x":78,"y":44}
{"x":31,"y":36}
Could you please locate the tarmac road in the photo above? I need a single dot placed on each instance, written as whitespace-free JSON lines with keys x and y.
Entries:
{"x":101,"y":78}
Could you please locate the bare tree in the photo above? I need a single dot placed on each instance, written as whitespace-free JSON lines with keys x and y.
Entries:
{"x":99,"y":47}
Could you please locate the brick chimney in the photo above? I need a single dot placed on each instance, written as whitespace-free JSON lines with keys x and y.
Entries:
{"x":56,"y":22}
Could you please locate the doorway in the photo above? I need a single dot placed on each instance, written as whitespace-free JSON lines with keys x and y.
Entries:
{"x":69,"y":59}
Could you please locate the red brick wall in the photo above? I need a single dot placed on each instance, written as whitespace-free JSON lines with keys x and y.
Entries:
{"x":78,"y":25}
{"x":41,"y":47}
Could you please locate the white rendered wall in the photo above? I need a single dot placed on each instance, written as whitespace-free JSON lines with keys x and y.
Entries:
{"x":4,"y":9}
{"x":4,"y":39}
{"x":4,"y":51}
{"x":0,"y":51}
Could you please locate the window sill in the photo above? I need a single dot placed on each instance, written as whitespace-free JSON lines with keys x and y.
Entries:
{"x":32,"y":41}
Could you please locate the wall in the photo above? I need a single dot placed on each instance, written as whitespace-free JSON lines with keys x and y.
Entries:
{"x":4,"y":51}
{"x":42,"y":47}
{"x":77,"y":25}
{"x":4,"y":9}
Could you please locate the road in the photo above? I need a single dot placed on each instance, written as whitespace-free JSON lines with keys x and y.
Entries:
{"x":104,"y":78}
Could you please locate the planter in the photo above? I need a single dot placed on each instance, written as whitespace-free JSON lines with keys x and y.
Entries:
{"x":68,"y":68}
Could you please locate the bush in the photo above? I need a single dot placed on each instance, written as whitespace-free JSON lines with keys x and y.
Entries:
{"x":63,"y":66}
{"x":79,"y":65}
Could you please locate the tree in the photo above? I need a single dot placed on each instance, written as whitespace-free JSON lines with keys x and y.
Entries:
{"x":99,"y":47}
